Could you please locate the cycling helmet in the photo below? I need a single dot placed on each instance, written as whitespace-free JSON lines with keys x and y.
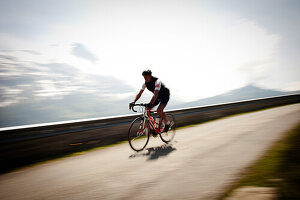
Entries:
{"x":147,"y":72}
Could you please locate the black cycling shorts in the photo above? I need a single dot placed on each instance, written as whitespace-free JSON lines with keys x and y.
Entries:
{"x":162,"y":99}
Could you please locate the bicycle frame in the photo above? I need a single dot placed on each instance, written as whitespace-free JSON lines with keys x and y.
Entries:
{"x":151,"y":122}
{"x":147,"y":119}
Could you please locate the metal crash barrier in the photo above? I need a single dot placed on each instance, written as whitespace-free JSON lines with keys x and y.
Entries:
{"x":26,"y":144}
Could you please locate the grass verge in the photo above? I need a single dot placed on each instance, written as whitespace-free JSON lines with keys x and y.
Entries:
{"x":279,"y":167}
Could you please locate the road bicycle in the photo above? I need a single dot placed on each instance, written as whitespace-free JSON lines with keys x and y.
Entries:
{"x":142,"y":126}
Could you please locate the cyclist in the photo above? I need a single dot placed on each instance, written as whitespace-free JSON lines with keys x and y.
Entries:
{"x":161,"y":95}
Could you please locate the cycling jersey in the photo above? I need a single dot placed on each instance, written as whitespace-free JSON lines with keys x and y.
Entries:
{"x":156,"y":84}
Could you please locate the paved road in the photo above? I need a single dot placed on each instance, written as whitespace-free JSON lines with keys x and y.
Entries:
{"x":202,"y":160}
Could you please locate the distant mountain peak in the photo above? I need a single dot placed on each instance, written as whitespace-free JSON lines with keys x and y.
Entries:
{"x":250,"y":91}
{"x":250,"y":86}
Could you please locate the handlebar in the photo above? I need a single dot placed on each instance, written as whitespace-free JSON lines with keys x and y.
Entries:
{"x":138,"y":104}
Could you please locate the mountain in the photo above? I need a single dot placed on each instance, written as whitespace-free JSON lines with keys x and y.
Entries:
{"x":240,"y":94}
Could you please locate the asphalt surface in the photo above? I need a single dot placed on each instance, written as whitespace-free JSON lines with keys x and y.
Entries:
{"x":199,"y":164}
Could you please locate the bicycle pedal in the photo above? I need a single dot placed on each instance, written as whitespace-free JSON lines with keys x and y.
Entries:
{"x":154,"y":134}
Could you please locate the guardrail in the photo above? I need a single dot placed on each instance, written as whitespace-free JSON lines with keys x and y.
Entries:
{"x":25,"y":144}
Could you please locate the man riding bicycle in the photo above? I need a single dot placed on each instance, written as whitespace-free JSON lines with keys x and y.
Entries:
{"x":161,"y":96}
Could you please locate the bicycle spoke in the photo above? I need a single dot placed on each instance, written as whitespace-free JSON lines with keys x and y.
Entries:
{"x":138,"y":134}
{"x":168,"y":136}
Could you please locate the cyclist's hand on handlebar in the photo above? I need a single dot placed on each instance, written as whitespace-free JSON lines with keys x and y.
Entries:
{"x":131,"y":105}
{"x":149,"y":105}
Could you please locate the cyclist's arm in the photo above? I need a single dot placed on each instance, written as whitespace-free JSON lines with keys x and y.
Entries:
{"x":156,"y":91}
{"x":138,"y":95}
{"x":154,"y":96}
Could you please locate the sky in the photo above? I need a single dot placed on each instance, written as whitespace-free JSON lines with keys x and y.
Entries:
{"x":198,"y":48}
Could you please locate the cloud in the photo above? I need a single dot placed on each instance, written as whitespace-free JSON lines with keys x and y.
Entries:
{"x":7,"y":57}
{"x":60,"y":68}
{"x":32,"y":81}
{"x":26,"y":51}
{"x":81,"y":51}
{"x":56,"y":89}
{"x":30,"y":51}
{"x":9,"y":95}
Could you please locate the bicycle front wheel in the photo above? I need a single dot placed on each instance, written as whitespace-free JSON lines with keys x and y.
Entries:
{"x":138,"y":134}
{"x":168,"y":136}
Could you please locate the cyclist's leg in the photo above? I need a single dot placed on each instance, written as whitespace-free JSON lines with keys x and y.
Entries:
{"x":157,"y":101}
{"x":163,"y":103}
{"x":160,"y":111}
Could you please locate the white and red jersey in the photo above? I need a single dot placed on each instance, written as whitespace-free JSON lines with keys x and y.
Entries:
{"x":157,"y":85}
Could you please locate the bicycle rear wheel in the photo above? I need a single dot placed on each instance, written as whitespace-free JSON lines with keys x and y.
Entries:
{"x":138,"y":134}
{"x":168,"y":137}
